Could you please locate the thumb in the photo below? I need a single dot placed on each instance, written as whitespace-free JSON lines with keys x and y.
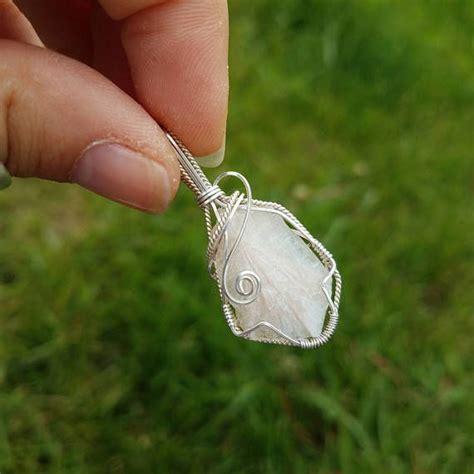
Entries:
{"x":63,"y":121}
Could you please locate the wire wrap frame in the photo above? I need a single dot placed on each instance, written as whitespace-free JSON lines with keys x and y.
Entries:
{"x":219,"y":209}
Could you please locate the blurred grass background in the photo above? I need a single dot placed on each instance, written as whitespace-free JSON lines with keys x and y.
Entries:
{"x":114,"y":356}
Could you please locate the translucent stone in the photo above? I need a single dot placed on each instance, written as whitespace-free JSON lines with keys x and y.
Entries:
{"x":291,"y":277}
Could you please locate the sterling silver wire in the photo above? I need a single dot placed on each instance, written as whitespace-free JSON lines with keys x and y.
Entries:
{"x":219,"y":210}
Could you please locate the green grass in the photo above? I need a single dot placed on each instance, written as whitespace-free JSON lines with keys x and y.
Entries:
{"x":114,"y":356}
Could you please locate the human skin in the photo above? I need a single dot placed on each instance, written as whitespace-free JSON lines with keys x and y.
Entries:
{"x":87,"y":88}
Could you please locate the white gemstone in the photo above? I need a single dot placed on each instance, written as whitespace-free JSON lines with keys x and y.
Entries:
{"x":291,"y":275}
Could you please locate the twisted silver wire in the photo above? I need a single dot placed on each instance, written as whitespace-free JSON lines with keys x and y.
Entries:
{"x":217,"y":204}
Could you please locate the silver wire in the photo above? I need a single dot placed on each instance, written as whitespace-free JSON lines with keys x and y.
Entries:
{"x":247,"y":283}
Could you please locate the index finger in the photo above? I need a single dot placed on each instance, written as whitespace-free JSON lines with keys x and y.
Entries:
{"x":177,"y":52}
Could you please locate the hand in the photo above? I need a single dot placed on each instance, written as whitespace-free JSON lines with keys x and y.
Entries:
{"x":62,"y":116}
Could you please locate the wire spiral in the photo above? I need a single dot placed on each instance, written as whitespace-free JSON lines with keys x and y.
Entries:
{"x":247,"y":283}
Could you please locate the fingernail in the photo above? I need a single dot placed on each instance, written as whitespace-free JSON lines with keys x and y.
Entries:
{"x":214,"y":159}
{"x":5,"y":178}
{"x":123,"y":175}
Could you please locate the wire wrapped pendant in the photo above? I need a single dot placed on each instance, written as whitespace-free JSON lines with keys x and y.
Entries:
{"x":277,"y":283}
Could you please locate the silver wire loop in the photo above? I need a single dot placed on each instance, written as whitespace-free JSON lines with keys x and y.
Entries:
{"x":248,"y":277}
{"x":219,"y":210}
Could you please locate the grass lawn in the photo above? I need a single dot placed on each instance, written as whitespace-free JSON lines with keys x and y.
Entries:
{"x":114,"y":356}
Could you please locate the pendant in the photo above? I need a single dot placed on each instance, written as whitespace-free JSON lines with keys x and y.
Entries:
{"x":277,"y":283}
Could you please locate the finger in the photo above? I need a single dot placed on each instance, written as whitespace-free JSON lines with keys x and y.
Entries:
{"x":15,"y":26}
{"x":177,"y":52}
{"x":61,"y":120}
